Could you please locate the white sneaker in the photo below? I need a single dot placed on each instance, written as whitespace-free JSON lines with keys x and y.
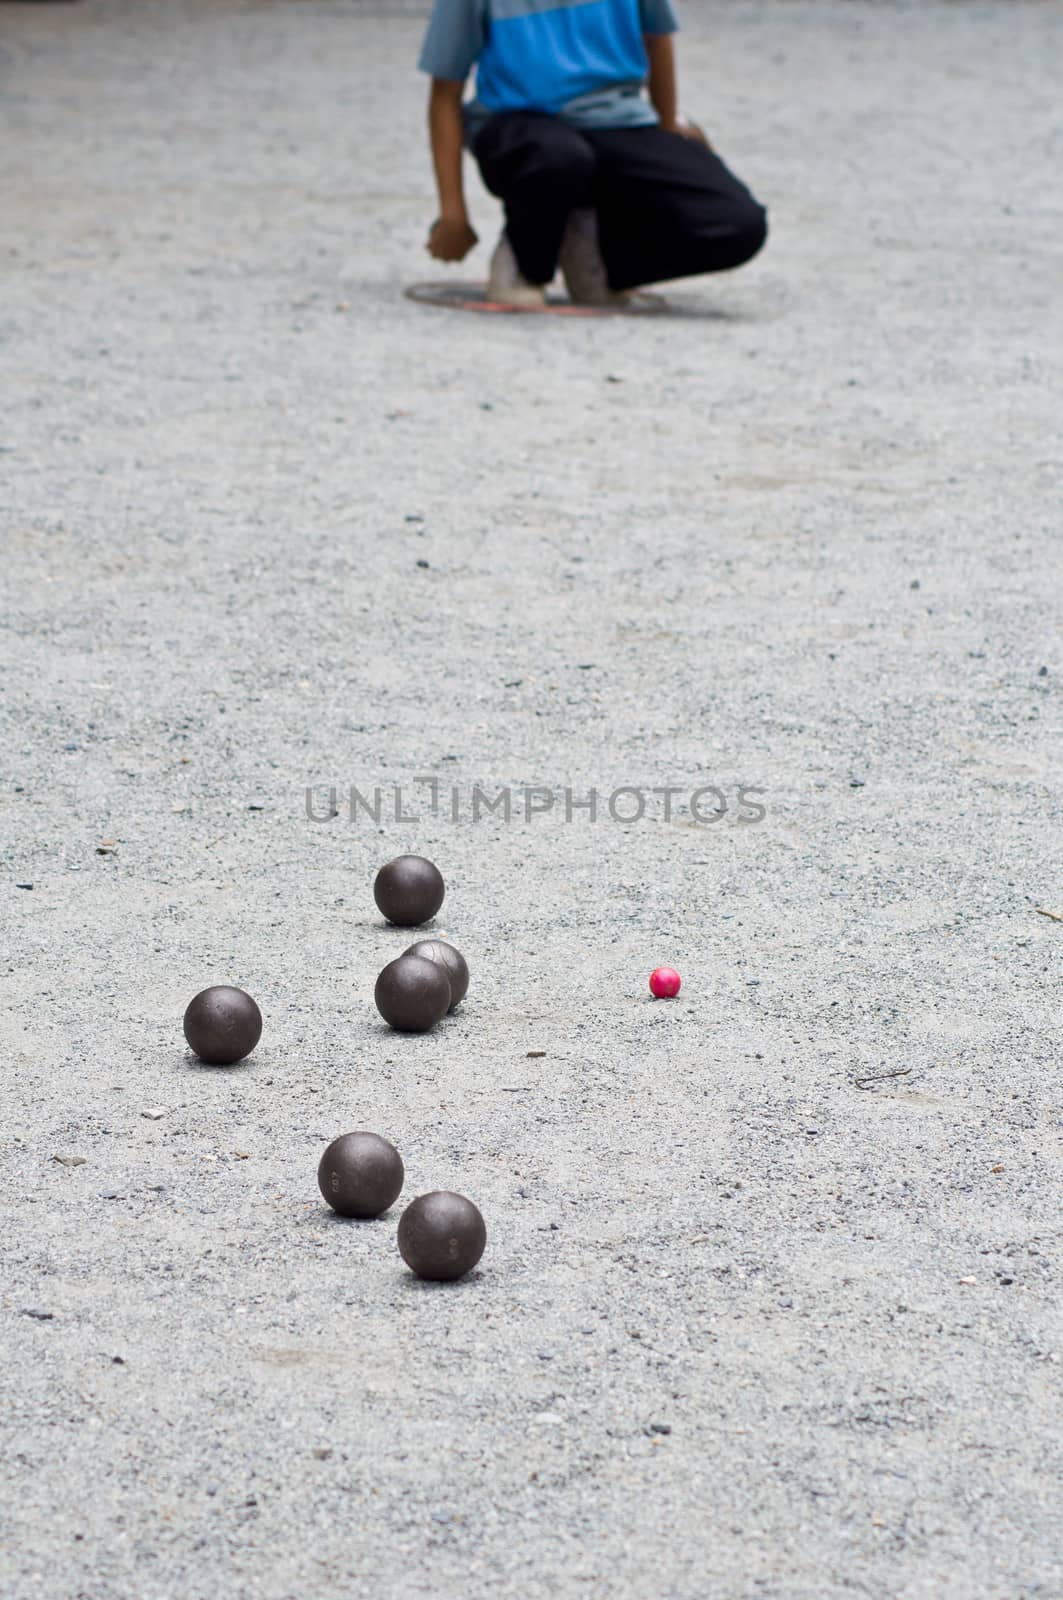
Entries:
{"x":581,"y":263}
{"x":506,"y":285}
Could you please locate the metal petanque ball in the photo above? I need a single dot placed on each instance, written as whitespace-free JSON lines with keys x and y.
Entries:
{"x":360,"y":1174}
{"x":451,"y":960}
{"x":222,"y":1025}
{"x":412,"y":994}
{"x":409,"y":890}
{"x":441,"y":1236}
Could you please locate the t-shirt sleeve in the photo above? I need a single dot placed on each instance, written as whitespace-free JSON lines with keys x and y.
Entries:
{"x":455,"y":38}
{"x":658,"y":16}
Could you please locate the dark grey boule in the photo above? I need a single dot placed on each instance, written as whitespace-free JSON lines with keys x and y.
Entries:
{"x":409,"y":890}
{"x":412,"y":994}
{"x":441,"y":1236}
{"x":360,"y":1174}
{"x":222,"y":1025}
{"x":451,"y":960}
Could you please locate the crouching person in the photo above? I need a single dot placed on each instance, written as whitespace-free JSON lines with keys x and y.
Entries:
{"x":575,"y":127}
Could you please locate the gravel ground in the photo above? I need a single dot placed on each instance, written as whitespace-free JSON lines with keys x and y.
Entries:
{"x":748,"y":1325}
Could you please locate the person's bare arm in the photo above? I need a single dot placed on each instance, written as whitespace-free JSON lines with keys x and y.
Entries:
{"x":664,"y":93}
{"x":451,"y":236}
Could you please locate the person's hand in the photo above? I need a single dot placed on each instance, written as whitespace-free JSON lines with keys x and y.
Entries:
{"x":690,"y":130}
{"x":450,"y":238}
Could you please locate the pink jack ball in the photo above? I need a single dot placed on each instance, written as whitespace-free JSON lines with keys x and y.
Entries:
{"x":665,"y":983}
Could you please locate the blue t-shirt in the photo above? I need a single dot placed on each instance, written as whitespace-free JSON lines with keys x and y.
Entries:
{"x":581,"y":60}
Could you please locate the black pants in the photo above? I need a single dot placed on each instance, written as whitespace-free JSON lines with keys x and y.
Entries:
{"x":667,"y":207}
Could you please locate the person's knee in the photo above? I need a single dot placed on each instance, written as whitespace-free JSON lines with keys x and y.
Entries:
{"x":750,"y":232}
{"x":729,"y":238}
